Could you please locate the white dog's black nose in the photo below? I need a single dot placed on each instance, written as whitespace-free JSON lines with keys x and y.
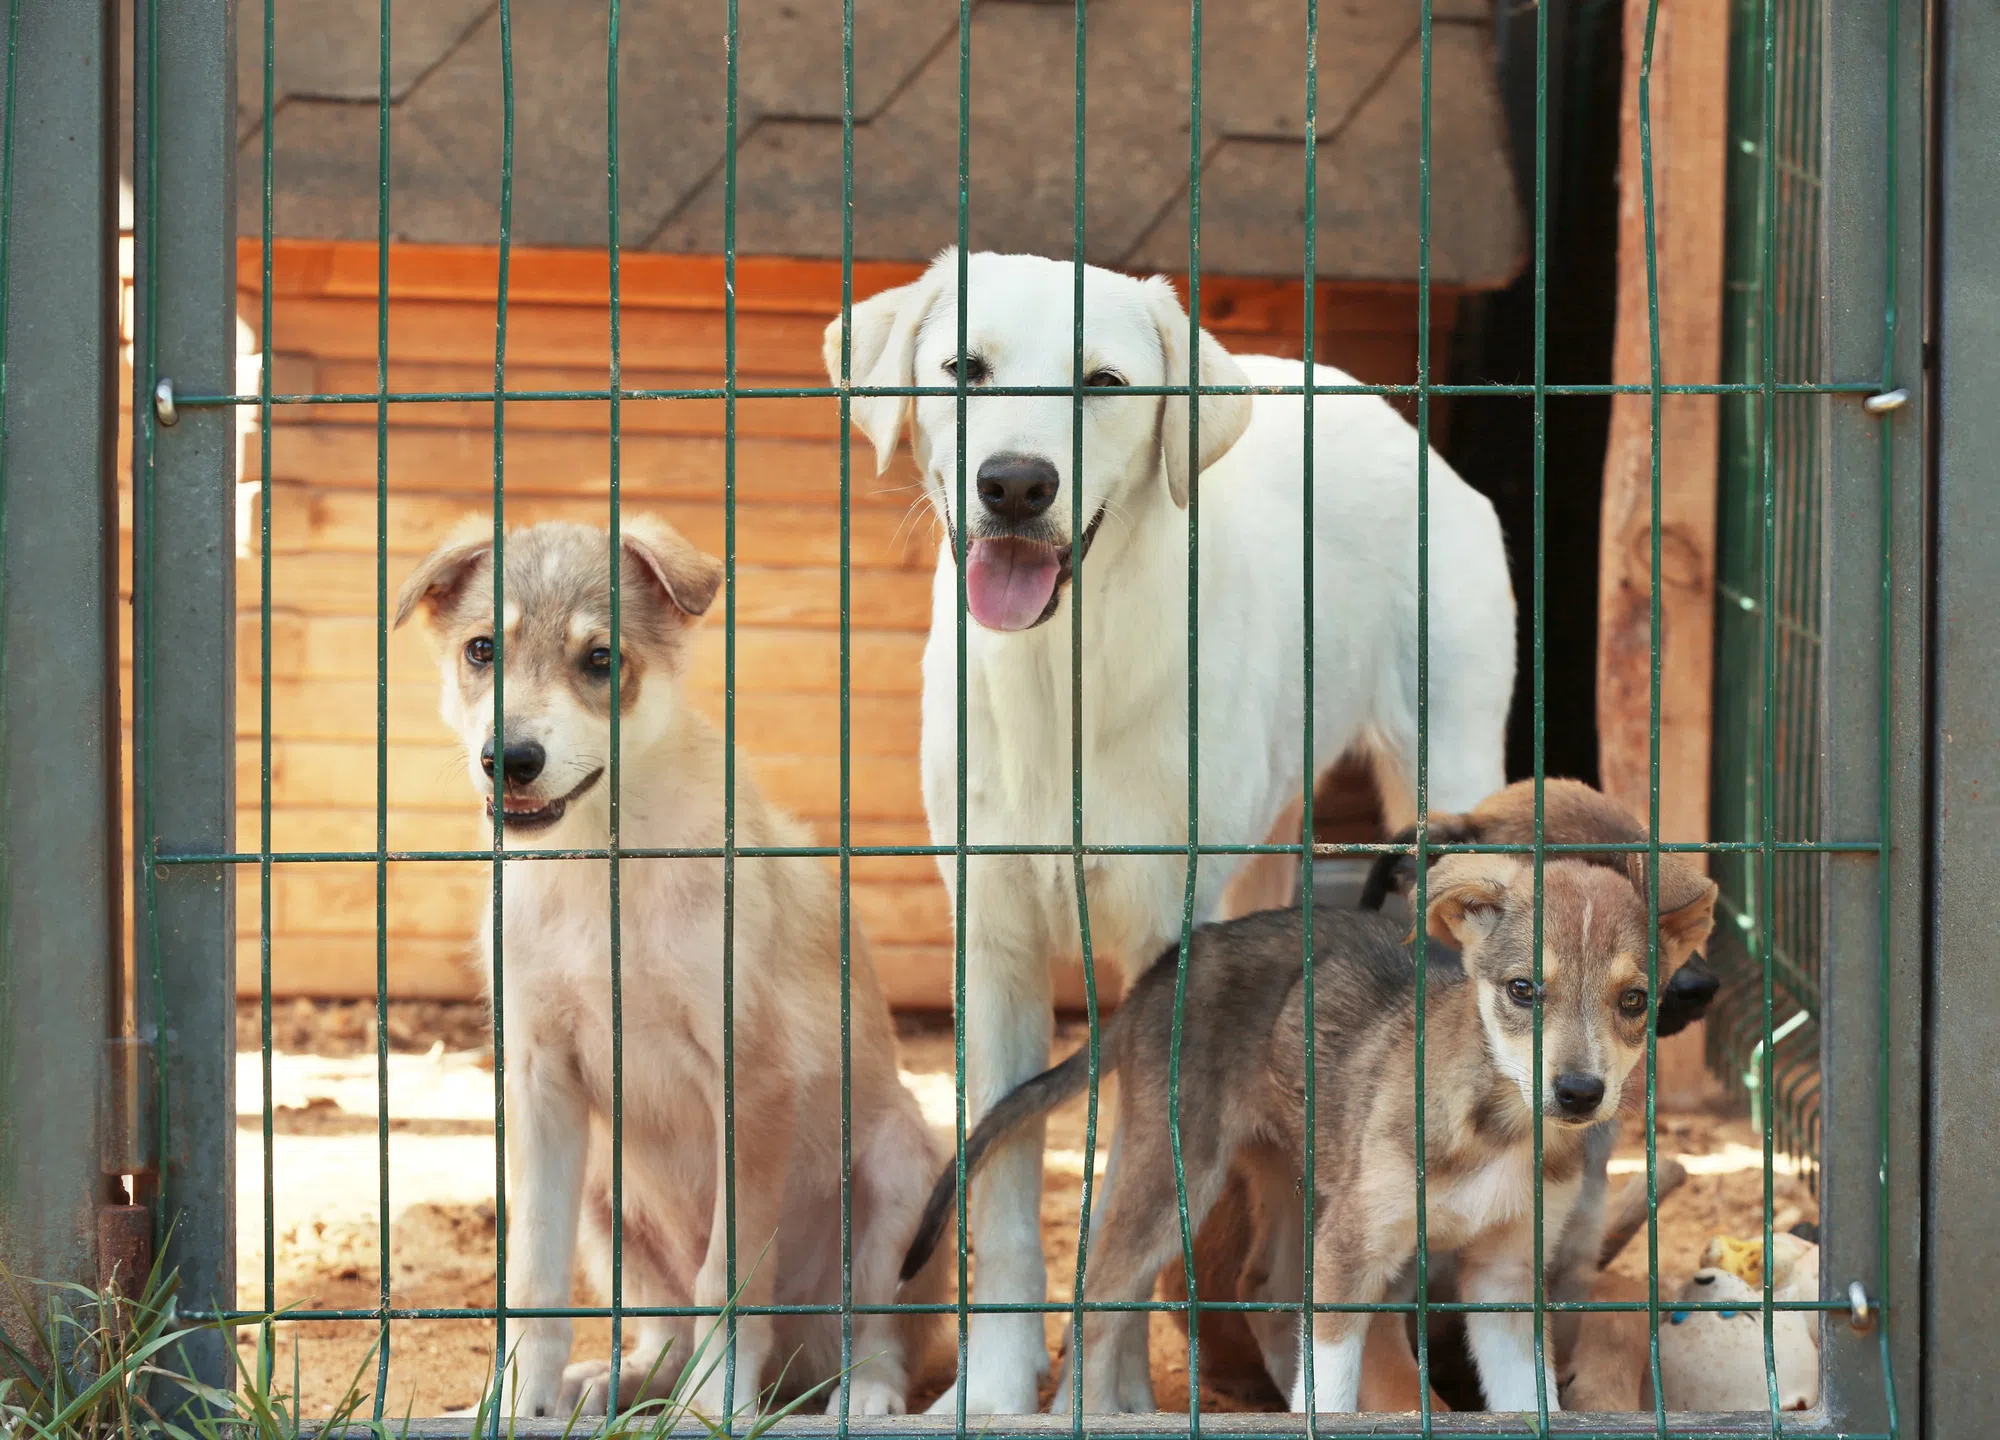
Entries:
{"x":1578,"y":1094}
{"x":1017,"y":488}
{"x":523,"y":763}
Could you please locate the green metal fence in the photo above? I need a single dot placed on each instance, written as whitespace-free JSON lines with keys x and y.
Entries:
{"x":186,"y":858}
{"x":1776,"y":915}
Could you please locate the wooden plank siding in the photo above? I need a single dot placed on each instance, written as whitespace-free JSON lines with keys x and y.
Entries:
{"x":440,"y":467}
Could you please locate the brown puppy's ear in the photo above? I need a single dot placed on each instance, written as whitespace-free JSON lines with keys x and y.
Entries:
{"x":437,"y":581}
{"x":688,"y":576}
{"x":1685,"y":927}
{"x":1467,"y":894}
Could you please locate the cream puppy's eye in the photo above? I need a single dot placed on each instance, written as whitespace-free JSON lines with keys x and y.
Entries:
{"x":976,"y":369}
{"x":1104,"y":379}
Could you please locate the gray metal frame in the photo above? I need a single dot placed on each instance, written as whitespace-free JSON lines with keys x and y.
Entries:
{"x":1962,"y":1262}
{"x":184,"y":127}
{"x":184,"y":792}
{"x":60,"y":880}
{"x":1875,"y":736}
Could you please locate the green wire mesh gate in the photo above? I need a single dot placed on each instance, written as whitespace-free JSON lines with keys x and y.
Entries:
{"x":189,"y":861}
{"x":1776,"y":915}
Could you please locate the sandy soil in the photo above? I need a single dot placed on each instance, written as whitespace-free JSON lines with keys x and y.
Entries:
{"x":324,"y":1226}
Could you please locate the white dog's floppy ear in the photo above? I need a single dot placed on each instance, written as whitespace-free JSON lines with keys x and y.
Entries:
{"x":436,"y":582}
{"x":690,"y":577}
{"x":1224,"y":418}
{"x":884,"y":353}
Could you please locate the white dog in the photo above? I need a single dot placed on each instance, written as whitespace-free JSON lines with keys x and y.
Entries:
{"x":554,"y":790}
{"x":1136,"y":482}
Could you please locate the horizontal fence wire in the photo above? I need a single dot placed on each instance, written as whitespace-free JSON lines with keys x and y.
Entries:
{"x":1773,"y":612}
{"x":834,"y":392}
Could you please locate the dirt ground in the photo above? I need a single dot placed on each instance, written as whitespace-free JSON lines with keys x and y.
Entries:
{"x":324,"y":1227}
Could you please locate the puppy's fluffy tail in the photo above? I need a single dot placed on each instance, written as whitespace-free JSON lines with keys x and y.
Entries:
{"x":1027,"y":1101}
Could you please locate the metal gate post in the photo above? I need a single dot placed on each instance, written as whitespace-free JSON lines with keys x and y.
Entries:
{"x":1872,"y":986}
{"x":184,"y":478}
{"x":60,"y":890}
{"x":1962,"y":1263}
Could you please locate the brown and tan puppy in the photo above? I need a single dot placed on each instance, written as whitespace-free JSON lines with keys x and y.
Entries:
{"x":1243,"y":1085}
{"x":1573,"y":813}
{"x":551,"y":781}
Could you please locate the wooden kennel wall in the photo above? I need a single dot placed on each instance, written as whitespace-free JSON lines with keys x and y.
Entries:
{"x":440,"y":466}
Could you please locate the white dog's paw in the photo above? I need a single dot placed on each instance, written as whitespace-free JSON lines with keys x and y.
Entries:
{"x":586,"y":1388}
{"x":870,"y":1396}
{"x":989,"y":1395}
{"x":532,"y":1384}
{"x":708,"y":1401}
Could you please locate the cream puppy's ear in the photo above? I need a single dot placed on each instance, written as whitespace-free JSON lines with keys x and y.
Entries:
{"x":437,"y":582}
{"x":689,"y":577}
{"x":883,"y":353}
{"x":1224,"y":418}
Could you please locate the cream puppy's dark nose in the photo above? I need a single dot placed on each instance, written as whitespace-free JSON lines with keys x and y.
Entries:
{"x":523,"y":761}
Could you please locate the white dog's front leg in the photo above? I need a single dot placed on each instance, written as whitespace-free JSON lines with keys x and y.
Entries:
{"x":1007,"y":1023}
{"x":547,"y":1134}
{"x":1501,"y":1270}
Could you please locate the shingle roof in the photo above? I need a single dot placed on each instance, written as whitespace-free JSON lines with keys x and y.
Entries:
{"x":446,"y":108}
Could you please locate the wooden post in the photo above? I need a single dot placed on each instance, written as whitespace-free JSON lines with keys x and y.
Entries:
{"x":1689,"y":91}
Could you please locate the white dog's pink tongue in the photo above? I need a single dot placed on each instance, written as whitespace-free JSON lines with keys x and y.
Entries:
{"x":1008,"y":582}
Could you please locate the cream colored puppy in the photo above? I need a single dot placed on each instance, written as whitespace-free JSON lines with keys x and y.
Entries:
{"x":552,"y":782}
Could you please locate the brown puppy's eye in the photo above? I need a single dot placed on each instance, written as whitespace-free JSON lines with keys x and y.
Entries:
{"x":1105,"y":379}
{"x":1522,"y":990}
{"x":1633,"y":1001}
{"x":479,"y":650}
{"x":600,"y":659}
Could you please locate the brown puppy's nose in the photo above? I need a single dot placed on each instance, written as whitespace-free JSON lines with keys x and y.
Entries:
{"x":1017,"y":488}
{"x":1578,"y":1094}
{"x":523,"y":761}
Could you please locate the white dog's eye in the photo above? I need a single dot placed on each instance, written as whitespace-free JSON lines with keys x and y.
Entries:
{"x":976,"y":369}
{"x":1105,"y":379}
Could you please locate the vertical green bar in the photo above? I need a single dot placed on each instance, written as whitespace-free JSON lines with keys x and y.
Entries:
{"x":264,"y":341}
{"x":1193,"y":712}
{"x":384,"y":95}
{"x":1308,"y":750}
{"x":503,"y":1400}
{"x":615,"y":865}
{"x":1540,"y":856}
{"x":1076,"y":528}
{"x":846,"y":713}
{"x":1885,"y":715}
{"x":1418,"y":901}
{"x":1767,"y":853}
{"x":1655,"y":379}
{"x":729,"y":715}
{"x":958,"y":556}
{"x":1195,"y":717}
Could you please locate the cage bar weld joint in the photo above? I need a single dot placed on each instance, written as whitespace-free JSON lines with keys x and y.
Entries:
{"x":1886,"y":401}
{"x":164,"y":407}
